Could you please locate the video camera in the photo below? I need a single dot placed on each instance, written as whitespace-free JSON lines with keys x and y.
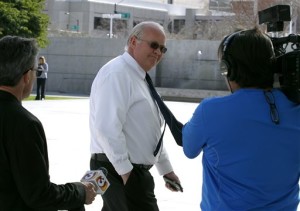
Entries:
{"x":287,"y":65}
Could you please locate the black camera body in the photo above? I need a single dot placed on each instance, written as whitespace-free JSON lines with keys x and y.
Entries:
{"x":287,"y":65}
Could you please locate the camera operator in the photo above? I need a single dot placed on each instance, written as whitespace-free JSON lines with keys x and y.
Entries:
{"x":250,"y":138}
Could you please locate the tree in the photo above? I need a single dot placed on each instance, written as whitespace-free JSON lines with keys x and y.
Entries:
{"x":24,"y":18}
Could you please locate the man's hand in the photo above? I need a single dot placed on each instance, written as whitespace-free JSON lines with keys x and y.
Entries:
{"x":125,"y":177}
{"x":90,"y":192}
{"x":172,"y":176}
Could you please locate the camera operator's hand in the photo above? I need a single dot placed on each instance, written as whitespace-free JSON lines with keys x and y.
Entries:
{"x":90,"y":192}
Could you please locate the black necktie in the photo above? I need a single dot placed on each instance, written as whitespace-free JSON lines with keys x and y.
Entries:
{"x":174,"y":125}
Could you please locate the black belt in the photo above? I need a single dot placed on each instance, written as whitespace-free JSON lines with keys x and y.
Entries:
{"x":103,"y":157}
{"x":142,"y":166}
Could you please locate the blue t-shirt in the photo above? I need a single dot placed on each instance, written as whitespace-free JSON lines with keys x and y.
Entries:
{"x":249,"y":162}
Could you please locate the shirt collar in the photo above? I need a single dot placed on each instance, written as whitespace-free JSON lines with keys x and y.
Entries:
{"x":134,"y":65}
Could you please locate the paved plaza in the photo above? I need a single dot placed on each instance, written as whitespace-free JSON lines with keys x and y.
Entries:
{"x":67,"y":130}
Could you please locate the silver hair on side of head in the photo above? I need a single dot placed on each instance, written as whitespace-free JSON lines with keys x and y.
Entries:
{"x":138,"y":30}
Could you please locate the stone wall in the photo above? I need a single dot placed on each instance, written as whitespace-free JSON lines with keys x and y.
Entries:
{"x":75,"y":61}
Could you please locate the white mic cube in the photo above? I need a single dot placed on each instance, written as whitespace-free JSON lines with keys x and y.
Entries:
{"x":98,"y":178}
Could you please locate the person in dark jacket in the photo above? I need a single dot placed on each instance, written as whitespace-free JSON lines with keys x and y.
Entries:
{"x":24,"y":177}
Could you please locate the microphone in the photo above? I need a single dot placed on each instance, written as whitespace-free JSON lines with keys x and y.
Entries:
{"x":98,"y":178}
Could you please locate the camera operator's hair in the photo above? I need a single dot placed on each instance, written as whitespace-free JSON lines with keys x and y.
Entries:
{"x":17,"y":56}
{"x":249,"y":56}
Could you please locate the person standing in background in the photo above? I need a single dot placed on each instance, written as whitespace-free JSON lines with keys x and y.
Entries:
{"x":24,"y":177}
{"x":41,"y":75}
{"x":126,"y":123}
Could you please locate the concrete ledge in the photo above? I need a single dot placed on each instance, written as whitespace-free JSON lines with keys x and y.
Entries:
{"x":188,"y":95}
{"x":168,"y":94}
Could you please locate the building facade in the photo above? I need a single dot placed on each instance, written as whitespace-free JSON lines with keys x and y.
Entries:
{"x":105,"y":18}
{"x":194,"y":31}
{"x":182,"y":19}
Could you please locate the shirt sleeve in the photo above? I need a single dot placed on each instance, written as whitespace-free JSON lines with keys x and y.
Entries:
{"x":111,"y":103}
{"x":45,"y":67}
{"x":193,"y":133}
{"x":163,"y":164}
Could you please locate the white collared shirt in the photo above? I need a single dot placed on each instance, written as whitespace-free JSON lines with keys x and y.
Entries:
{"x":125,"y":123}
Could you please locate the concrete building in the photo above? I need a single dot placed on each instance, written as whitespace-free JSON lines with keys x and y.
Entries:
{"x":114,"y":18}
{"x":107,"y":18}
{"x":85,"y":34}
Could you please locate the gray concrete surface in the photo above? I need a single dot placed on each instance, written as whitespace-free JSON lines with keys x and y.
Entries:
{"x":66,"y":126}
{"x":67,"y":131}
{"x":168,"y":94}
{"x":74,"y":62}
{"x":188,"y":95}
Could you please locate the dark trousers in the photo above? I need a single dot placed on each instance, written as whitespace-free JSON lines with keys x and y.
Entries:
{"x":40,"y":88}
{"x":136,"y":195}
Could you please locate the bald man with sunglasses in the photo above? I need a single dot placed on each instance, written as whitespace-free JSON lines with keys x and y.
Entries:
{"x":126,"y":123}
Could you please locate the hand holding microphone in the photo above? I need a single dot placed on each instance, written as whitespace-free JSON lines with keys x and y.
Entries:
{"x":98,"y":179}
{"x":90,"y":192}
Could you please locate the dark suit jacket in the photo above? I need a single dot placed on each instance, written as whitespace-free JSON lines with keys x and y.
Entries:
{"x":24,"y":167}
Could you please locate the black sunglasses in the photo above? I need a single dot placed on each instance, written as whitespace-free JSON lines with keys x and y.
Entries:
{"x":155,"y":45}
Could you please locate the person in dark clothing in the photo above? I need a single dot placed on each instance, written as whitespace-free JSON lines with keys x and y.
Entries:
{"x":24,"y":177}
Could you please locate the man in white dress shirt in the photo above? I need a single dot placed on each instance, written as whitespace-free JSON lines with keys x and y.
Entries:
{"x":126,"y":124}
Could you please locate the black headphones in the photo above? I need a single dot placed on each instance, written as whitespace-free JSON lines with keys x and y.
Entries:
{"x":227,"y":64}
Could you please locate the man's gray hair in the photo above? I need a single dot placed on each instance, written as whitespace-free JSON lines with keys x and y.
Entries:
{"x":17,"y":56}
{"x":138,"y":30}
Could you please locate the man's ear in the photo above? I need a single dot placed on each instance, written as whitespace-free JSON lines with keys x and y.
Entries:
{"x":26,"y":77}
{"x":132,"y":42}
{"x":233,"y":86}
